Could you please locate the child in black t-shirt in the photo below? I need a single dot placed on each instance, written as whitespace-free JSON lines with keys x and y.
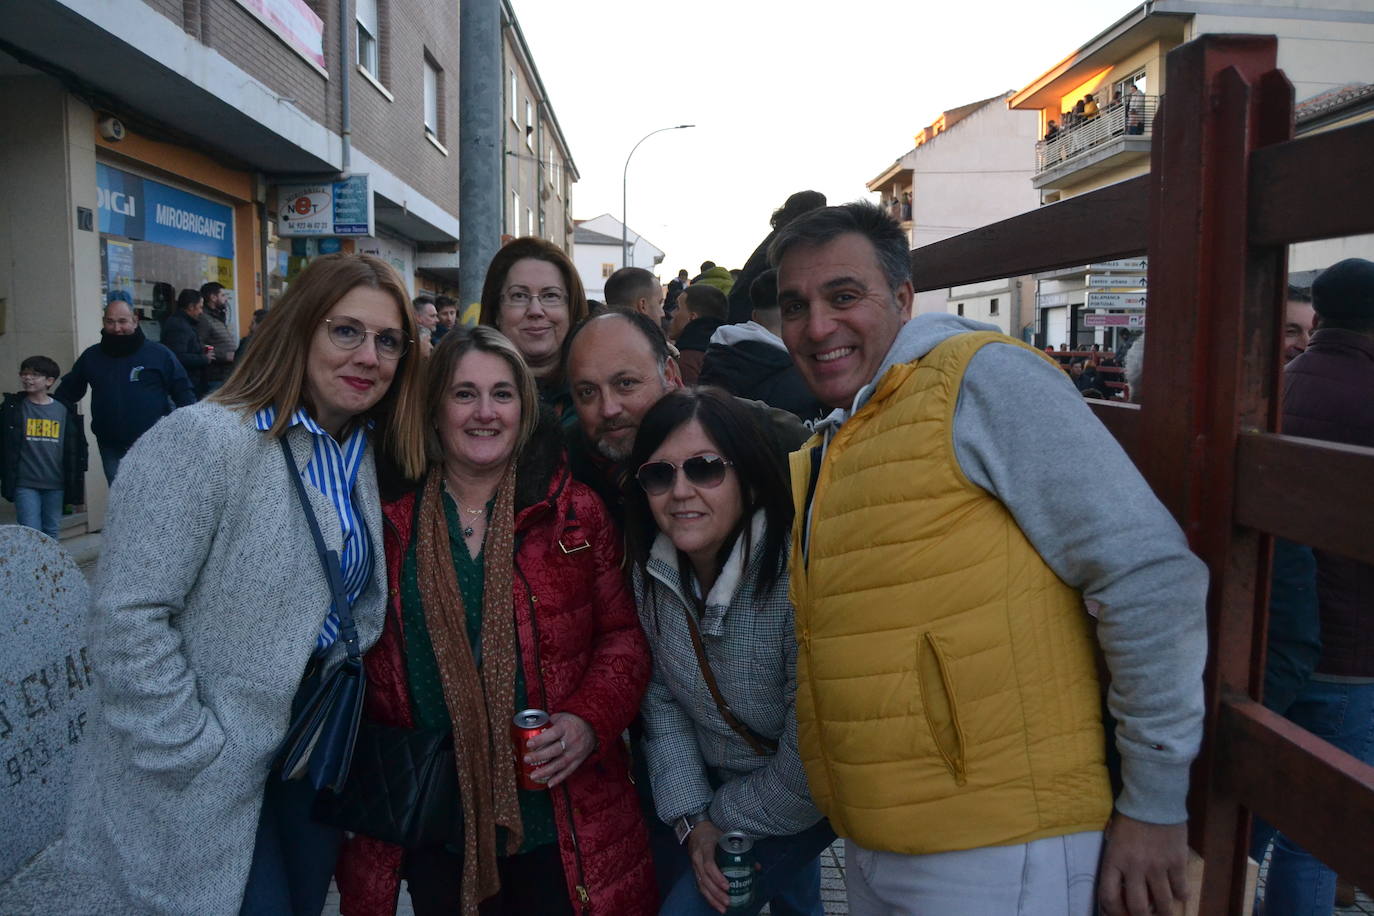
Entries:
{"x":35,"y":447}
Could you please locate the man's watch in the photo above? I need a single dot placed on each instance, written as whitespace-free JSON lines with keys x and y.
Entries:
{"x":684,"y":825}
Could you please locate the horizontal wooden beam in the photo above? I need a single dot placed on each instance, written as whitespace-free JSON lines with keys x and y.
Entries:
{"x":1320,"y":797}
{"x":1101,"y":225}
{"x":1311,"y":492}
{"x":1314,"y":187}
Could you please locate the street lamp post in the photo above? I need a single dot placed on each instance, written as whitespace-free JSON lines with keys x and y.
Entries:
{"x":624,"y":191}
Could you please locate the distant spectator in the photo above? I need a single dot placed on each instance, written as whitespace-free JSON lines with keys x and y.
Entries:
{"x":213,"y":329}
{"x":1051,"y":130}
{"x":718,"y":277}
{"x":1090,"y":106}
{"x":749,"y":360}
{"x":258,"y":317}
{"x":42,"y":449}
{"x":426,"y":315}
{"x":739,"y":296}
{"x":447,"y":307}
{"x":706,"y":265}
{"x":134,"y":382}
{"x":636,"y":289}
{"x":701,"y":311}
{"x":1135,"y":110}
{"x":180,"y":335}
{"x":1298,"y":320}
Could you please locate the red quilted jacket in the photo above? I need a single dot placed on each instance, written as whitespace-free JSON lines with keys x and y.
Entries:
{"x":591,"y":660}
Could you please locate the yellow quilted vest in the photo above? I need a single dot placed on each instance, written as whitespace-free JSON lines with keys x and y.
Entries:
{"x":947,"y":696}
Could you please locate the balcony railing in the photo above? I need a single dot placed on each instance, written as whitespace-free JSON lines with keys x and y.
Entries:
{"x":1130,"y":117}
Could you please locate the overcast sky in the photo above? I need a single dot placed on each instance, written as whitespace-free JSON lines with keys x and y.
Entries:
{"x":784,"y":95}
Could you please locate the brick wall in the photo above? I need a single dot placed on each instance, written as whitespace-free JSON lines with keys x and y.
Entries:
{"x":392,"y":131}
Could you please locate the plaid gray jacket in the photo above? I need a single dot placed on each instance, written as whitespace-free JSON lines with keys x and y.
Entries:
{"x":750,"y":642}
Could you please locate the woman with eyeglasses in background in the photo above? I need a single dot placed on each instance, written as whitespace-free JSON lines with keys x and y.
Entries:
{"x":533,"y":295}
{"x":211,"y":615}
{"x":709,"y":517}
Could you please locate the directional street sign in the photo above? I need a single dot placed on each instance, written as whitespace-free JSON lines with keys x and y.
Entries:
{"x":1136,"y":265}
{"x":1116,"y":281}
{"x":1136,"y":320}
{"x":1098,"y":300}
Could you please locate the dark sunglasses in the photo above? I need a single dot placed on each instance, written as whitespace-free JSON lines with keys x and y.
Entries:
{"x":657,"y":477}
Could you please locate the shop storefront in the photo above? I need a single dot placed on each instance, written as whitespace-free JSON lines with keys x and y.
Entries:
{"x":156,"y":240}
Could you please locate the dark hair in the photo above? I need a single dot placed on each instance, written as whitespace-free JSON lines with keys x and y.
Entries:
{"x":43,"y":365}
{"x":1299,"y":293}
{"x":799,"y":203}
{"x":759,"y":463}
{"x":763,"y":292}
{"x":445,"y":302}
{"x":422,"y":299}
{"x":646,"y":326}
{"x":1343,"y":296}
{"x":705,"y":301}
{"x":707,"y":265}
{"x":627,"y":284}
{"x":540,"y":250}
{"x":188,"y":298}
{"x":818,"y":227}
{"x":259,"y":314}
{"x":209,"y":289}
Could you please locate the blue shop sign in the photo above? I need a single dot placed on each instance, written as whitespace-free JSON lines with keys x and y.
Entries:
{"x":147,"y":210}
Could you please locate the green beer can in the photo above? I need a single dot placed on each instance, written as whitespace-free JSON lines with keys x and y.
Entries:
{"x":735,"y":859}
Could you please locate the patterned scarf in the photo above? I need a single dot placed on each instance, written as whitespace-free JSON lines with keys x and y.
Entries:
{"x":480,"y":702}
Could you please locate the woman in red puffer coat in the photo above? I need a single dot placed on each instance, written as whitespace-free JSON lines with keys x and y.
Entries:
{"x":580,"y":655}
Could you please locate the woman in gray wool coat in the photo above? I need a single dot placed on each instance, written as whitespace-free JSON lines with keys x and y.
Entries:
{"x":211,"y":606}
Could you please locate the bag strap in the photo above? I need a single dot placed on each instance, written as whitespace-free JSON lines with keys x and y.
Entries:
{"x":762,"y":746}
{"x":329,"y":559}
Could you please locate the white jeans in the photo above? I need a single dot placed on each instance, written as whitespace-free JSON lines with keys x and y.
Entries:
{"x":1050,"y":877}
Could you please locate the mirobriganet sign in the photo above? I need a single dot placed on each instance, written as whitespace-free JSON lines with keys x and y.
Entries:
{"x":325,"y":209}
{"x":149,"y":211}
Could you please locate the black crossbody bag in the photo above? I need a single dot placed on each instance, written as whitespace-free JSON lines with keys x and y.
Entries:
{"x":319,"y":743}
{"x":402,"y":789}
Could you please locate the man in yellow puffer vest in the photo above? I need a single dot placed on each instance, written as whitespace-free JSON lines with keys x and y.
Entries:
{"x":947,"y":537}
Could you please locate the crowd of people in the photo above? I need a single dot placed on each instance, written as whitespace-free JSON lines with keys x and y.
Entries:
{"x":774,"y":556}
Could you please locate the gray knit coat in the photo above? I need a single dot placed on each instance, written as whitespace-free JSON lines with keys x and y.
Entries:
{"x":207,"y":602}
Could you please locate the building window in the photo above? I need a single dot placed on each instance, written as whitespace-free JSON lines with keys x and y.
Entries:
{"x":607,"y":270}
{"x":434,"y":99}
{"x":529,"y":124}
{"x":368,"y":32}
{"x":1135,"y":80}
{"x":994,"y":308}
{"x":529,"y":221}
{"x":959,"y":308}
{"x":558,"y":179}
{"x":514,"y":213}
{"x":514,"y":96}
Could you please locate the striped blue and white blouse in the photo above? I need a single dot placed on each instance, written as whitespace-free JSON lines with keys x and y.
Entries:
{"x":333,"y":470}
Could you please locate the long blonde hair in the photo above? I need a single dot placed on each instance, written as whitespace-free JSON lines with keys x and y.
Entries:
{"x":272,"y":370}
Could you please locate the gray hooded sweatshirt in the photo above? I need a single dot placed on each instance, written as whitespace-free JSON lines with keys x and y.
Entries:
{"x":1023,"y":433}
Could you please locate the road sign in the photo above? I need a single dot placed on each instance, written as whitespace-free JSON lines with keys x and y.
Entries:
{"x":1116,"y":281}
{"x":1136,"y":265}
{"x":1136,"y":320}
{"x":1098,"y":300}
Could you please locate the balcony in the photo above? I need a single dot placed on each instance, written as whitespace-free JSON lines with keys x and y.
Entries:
{"x":1120,"y":132}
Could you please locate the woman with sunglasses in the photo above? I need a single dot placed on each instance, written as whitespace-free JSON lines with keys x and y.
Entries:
{"x":708,"y":522}
{"x":212,"y":617}
{"x":533,"y":295}
{"x":508,"y":595}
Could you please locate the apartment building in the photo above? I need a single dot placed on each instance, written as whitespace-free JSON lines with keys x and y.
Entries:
{"x":1326,"y":49}
{"x":155,"y":145}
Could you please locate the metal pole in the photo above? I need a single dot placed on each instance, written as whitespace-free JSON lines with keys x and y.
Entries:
{"x":480,"y":188}
{"x":624,"y":191}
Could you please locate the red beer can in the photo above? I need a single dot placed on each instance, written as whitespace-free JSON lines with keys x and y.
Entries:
{"x":526,"y":724}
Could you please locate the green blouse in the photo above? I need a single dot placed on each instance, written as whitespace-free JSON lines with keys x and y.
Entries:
{"x":422,"y":670}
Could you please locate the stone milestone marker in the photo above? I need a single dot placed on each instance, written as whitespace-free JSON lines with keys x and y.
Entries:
{"x":46,"y":689}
